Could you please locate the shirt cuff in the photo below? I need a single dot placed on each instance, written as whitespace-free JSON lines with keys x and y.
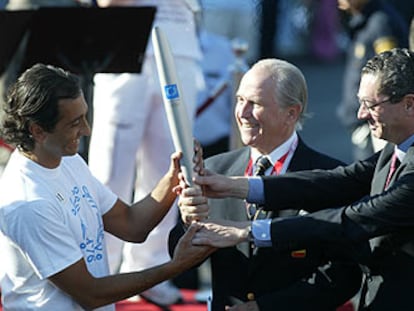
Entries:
{"x":256,"y":190}
{"x":261,"y":232}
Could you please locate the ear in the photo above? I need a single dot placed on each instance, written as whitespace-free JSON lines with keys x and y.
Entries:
{"x":294,"y":112}
{"x":37,"y":132}
{"x":409,"y":103}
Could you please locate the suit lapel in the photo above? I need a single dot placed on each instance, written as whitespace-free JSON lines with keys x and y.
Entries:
{"x":298,"y":162}
{"x":238,"y":208}
{"x":232,"y":163}
{"x":409,"y":155}
{"x":382,"y":169}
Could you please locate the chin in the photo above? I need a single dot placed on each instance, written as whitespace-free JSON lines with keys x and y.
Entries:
{"x":71,"y":151}
{"x":246,"y":140}
{"x":69,"y":154}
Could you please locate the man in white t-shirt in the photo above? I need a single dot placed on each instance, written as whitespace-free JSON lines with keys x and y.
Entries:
{"x":53,"y":211}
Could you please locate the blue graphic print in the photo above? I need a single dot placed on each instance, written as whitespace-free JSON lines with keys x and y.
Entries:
{"x":75,"y":200}
{"x":92,"y":242}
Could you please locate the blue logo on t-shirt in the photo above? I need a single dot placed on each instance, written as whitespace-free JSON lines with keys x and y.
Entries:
{"x":92,"y":236}
{"x":171,"y":91}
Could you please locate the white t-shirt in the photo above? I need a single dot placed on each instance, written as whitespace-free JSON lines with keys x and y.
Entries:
{"x":50,"y":219}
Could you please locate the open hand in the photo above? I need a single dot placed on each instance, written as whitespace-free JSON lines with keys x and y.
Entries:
{"x":226,"y":234}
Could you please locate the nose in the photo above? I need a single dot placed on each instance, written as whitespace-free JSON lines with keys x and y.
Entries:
{"x":86,"y":128}
{"x":363,"y":113}
{"x":244,"y":109}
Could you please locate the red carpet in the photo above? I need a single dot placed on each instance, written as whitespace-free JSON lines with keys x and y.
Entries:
{"x":189,"y":305}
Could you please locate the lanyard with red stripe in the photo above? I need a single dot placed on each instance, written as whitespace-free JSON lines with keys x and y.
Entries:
{"x":277,"y":168}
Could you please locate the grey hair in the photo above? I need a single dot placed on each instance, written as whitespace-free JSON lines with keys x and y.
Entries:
{"x":290,"y":86}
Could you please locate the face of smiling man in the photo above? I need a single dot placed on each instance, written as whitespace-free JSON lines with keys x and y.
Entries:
{"x":389,"y":120}
{"x":263,"y":123}
{"x":64,"y":139}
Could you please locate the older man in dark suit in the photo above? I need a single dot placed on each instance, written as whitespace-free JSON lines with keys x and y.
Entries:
{"x":377,"y":194}
{"x":271,"y":105}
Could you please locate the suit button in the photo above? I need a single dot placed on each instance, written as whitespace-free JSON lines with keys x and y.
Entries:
{"x":250,"y":296}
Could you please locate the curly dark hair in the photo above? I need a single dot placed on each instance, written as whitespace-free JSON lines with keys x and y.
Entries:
{"x":34,"y":99}
{"x":395,"y":69}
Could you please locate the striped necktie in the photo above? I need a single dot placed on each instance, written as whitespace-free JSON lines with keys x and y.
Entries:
{"x":395,"y":162}
{"x":262,"y":164}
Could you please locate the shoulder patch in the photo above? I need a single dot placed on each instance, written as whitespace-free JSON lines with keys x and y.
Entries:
{"x":384,"y":44}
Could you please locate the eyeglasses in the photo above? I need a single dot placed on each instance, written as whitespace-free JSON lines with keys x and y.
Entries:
{"x":370,"y":104}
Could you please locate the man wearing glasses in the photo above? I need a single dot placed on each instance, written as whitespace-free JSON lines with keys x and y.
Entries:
{"x":370,"y":200}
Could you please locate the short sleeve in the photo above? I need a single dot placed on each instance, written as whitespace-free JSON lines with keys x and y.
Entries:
{"x":40,"y":232}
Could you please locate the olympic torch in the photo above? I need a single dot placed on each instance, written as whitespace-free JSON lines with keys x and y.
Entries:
{"x":177,"y":116}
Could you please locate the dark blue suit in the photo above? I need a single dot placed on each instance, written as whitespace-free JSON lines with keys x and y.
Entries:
{"x":385,"y":218}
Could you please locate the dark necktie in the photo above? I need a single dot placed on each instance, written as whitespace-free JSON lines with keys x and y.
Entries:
{"x":262,"y":164}
{"x":393,"y":167}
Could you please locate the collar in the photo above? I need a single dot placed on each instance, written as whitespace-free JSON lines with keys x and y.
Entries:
{"x":279,"y":151}
{"x":402,"y":148}
{"x":279,"y":157}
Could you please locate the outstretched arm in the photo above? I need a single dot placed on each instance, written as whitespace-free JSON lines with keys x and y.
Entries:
{"x":133,"y":223}
{"x":220,"y":186}
{"x":91,"y":292}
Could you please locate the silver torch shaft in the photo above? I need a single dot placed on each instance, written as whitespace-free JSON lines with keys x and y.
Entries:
{"x":174,"y":104}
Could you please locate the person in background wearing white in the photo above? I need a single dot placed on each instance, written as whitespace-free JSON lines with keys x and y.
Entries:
{"x":130,"y":137}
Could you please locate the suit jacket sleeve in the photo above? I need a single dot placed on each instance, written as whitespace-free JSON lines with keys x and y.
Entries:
{"x":313,"y":190}
{"x":372,"y":215}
